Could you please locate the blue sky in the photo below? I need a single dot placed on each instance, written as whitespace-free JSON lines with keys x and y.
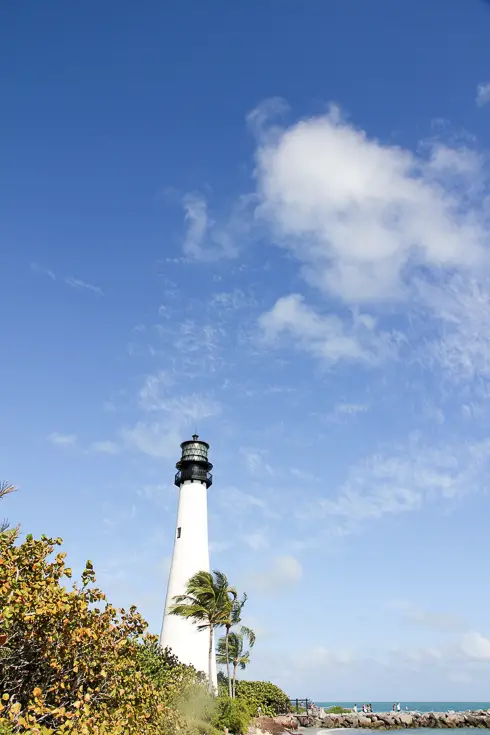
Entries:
{"x":268,"y":221}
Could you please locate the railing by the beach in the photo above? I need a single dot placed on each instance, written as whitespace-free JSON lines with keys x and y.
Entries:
{"x":301,"y":704}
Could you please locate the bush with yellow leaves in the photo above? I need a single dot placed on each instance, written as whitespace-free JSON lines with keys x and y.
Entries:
{"x":70,"y":661}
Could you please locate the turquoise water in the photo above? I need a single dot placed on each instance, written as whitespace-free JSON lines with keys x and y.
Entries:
{"x":414,"y":706}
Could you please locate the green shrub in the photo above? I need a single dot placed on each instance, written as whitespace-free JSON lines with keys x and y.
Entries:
{"x":269,"y":697}
{"x":234,"y":714}
{"x":337,"y":710}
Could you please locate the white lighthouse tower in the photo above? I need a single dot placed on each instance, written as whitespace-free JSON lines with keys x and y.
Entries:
{"x":190,"y":554}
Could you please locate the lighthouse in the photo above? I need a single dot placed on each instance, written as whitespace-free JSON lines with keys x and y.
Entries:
{"x":190,"y":554}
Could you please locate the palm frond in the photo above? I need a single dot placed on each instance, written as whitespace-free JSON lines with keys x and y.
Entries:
{"x":6,"y":488}
{"x":249,"y":634}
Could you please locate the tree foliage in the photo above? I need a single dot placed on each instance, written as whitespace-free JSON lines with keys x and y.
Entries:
{"x":208,"y":603}
{"x":233,"y":714}
{"x":232,"y":651}
{"x":71,"y":661}
{"x":269,"y":697}
{"x":234,"y":618}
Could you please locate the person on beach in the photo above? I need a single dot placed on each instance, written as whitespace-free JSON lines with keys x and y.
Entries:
{"x":355,"y":708}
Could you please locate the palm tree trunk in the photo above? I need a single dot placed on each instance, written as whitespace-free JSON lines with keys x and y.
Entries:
{"x":234,"y":680}
{"x":210,"y":662}
{"x":228,"y":660}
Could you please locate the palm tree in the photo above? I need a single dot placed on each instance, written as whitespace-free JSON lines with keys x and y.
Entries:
{"x":5,"y":489}
{"x":234,"y":618}
{"x":208,"y":601}
{"x":233,"y":651}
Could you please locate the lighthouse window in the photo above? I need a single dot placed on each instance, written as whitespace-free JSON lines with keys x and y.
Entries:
{"x":195,"y":451}
{"x":178,"y":531}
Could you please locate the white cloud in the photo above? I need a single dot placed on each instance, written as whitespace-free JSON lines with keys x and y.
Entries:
{"x":350,"y":409}
{"x":175,"y":412}
{"x":433,"y":620}
{"x":63,"y":439}
{"x":362,"y":216}
{"x":483,"y":94}
{"x":153,"y":394}
{"x":218,"y":547}
{"x":68,"y":280}
{"x":284,"y":572}
{"x":82,"y":285}
{"x":232,"y":301}
{"x":326,"y":336}
{"x":45,"y":271}
{"x":476,"y":646}
{"x":429,"y":619}
{"x":255,"y":460}
{"x":105,"y":447}
{"x":205,"y":240}
{"x":461,"y":309}
{"x":407,"y":478}
{"x":240,"y":502}
{"x":155,"y":439}
{"x":320,"y":657}
{"x":257,"y":540}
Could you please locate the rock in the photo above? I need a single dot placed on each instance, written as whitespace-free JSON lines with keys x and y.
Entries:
{"x":455,"y":720}
{"x":351,"y":720}
{"x":406,"y":719}
{"x":386,"y":717}
{"x":397,"y":720}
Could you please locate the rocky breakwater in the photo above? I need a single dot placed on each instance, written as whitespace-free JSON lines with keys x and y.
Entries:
{"x":397,"y":720}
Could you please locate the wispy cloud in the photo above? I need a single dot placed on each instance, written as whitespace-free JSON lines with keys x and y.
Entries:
{"x":460,"y":308}
{"x":327,"y":336}
{"x":82,"y":285}
{"x":407,"y":478}
{"x":70,"y":281}
{"x":258,"y":540}
{"x":255,"y":460}
{"x":350,"y":409}
{"x":105,"y":447}
{"x":476,"y":646}
{"x":44,"y":271}
{"x":283,"y":573}
{"x":173,"y":412}
{"x":483,"y":94}
{"x":64,"y":440}
{"x":155,"y":396}
{"x":342,"y":412}
{"x":414,"y":615}
{"x":205,"y":239}
{"x":155,"y":439}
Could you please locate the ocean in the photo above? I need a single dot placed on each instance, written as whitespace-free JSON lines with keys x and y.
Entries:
{"x":413,"y":706}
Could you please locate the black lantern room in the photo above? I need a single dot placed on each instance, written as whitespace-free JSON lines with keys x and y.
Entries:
{"x":193,"y":464}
